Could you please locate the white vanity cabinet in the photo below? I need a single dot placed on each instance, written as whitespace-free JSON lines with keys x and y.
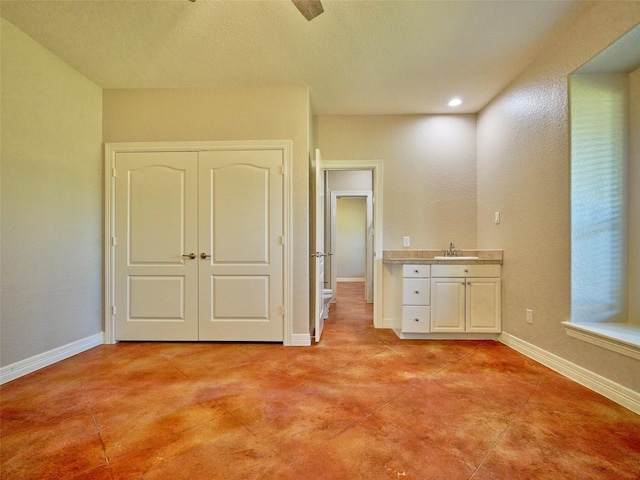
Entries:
{"x":465,"y":298}
{"x":416,"y":296}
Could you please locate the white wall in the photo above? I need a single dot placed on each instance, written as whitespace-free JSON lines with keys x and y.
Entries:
{"x":429,"y":172}
{"x":523,"y":171}
{"x":351,"y":230}
{"x":252,"y":113}
{"x":51,"y":201}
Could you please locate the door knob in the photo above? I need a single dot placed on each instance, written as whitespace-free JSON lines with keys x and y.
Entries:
{"x":190,"y":255}
{"x":204,"y":255}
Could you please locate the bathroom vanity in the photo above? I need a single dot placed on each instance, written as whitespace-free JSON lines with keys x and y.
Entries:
{"x":430,"y":296}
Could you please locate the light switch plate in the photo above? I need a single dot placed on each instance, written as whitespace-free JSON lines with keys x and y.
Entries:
{"x":497,"y":217}
{"x":406,"y":241}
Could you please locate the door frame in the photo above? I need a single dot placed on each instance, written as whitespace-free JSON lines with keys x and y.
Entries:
{"x":368,"y":238}
{"x":110,"y":152}
{"x":376,"y":167}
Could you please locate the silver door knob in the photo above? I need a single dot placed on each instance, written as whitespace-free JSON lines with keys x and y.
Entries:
{"x":204,"y":255}
{"x":190,"y":255}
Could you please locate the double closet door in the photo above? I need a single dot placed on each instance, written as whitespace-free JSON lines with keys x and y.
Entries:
{"x":198,"y":245}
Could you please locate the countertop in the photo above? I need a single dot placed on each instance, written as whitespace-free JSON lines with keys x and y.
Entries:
{"x":427,"y":257}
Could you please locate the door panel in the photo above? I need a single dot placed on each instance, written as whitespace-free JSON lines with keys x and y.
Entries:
{"x":156,"y":223}
{"x":319,"y":250}
{"x":240,"y":192}
{"x":241,"y":278}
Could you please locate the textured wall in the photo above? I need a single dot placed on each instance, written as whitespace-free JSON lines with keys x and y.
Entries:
{"x":523,"y":171}
{"x":634,"y":197}
{"x":429,"y":172}
{"x":267,"y":113}
{"x":51,"y":201}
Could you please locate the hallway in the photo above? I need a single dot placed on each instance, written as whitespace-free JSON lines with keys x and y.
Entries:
{"x":360,"y":404}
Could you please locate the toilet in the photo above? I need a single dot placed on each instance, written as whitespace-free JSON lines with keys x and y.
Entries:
{"x":327,"y":293}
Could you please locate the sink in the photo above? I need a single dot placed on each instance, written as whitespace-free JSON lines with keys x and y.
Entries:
{"x":456,"y":258}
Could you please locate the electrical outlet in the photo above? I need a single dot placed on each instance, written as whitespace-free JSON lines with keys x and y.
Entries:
{"x":406,"y":241}
{"x":529,"y":316}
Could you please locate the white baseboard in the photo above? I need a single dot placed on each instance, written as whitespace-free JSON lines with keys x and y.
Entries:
{"x":31,"y":364}
{"x":613,"y":391}
{"x":300,"y":340}
{"x":350,"y":279}
{"x":388,"y":322}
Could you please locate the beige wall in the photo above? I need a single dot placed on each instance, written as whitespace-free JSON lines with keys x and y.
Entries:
{"x":523,"y":171}
{"x":51,"y":201}
{"x":634,"y":197}
{"x":351,"y":231}
{"x":429,"y":172}
{"x":261,"y":113}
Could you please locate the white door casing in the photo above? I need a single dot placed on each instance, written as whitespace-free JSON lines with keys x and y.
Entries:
{"x":181,"y":150}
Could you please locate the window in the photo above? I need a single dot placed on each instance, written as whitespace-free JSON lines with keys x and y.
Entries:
{"x":605,"y":211}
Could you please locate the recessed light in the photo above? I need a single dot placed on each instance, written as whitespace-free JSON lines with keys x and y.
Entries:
{"x":454,"y":102}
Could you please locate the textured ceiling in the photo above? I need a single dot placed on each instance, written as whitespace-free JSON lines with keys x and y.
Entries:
{"x":358,"y":57}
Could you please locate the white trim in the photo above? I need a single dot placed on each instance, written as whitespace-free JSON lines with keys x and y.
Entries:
{"x":614,"y":391}
{"x":618,"y":337}
{"x":111,"y":149}
{"x":300,"y":340}
{"x":31,"y":364}
{"x":377,"y":168}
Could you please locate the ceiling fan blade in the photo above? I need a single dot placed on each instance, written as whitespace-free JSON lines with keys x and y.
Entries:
{"x":309,"y":8}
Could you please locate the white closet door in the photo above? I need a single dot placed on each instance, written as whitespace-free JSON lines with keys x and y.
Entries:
{"x":241,"y":228}
{"x":156,"y":292}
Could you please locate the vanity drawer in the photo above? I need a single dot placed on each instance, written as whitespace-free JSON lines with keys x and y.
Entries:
{"x":465,"y":270}
{"x":416,"y":291}
{"x":416,"y":319}
{"x":416,"y":271}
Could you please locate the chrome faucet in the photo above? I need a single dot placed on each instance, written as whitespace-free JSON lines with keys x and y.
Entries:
{"x":451,"y":252}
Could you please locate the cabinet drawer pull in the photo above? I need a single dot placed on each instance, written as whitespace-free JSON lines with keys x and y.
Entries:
{"x":466,"y":270}
{"x":417,"y":319}
{"x":416,"y":271}
{"x":417,"y":292}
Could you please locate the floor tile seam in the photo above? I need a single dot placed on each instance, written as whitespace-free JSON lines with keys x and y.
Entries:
{"x":428,"y":440}
{"x":397,"y":397}
{"x":511,"y":421}
{"x":99,"y":433}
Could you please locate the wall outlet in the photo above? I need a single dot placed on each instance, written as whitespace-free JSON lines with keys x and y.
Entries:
{"x":529,"y":316}
{"x":406,"y":241}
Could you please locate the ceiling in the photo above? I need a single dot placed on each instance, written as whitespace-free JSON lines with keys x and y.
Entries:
{"x":358,"y":57}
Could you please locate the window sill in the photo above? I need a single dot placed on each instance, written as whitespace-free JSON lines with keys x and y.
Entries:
{"x":623,"y":338}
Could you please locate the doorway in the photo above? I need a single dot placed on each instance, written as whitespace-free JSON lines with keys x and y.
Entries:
{"x":350,"y":238}
{"x":372,"y":190}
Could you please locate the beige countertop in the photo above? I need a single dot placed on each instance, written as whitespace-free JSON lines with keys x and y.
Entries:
{"x":427,"y":257}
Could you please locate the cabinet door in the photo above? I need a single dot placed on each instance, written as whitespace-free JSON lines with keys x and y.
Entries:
{"x":447,"y":304}
{"x":483,"y":305}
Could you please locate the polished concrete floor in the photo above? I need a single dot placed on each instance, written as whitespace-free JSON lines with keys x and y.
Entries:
{"x":361,"y":404}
